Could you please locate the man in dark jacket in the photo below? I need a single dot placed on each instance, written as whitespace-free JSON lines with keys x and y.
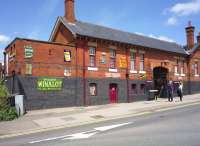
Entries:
{"x":170,"y":91}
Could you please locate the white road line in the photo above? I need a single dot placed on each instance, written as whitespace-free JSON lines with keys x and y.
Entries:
{"x":105,"y":128}
{"x":82,"y":135}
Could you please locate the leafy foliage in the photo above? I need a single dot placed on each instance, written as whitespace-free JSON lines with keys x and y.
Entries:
{"x":7,"y":113}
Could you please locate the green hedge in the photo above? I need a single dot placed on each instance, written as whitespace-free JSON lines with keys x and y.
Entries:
{"x":7,"y":113}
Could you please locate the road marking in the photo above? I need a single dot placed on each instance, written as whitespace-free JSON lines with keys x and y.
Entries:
{"x":105,"y":128}
{"x":82,"y":135}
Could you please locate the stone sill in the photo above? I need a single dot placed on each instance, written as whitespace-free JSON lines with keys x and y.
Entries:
{"x":92,"y":68}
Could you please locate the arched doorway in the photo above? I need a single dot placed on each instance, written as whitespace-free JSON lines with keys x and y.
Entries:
{"x":160,"y":77}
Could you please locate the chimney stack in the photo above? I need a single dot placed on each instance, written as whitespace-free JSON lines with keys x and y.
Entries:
{"x":190,"y":35}
{"x":198,"y":38}
{"x":69,"y":11}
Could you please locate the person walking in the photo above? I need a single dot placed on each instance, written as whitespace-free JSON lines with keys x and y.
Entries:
{"x":170,"y":91}
{"x":180,"y":91}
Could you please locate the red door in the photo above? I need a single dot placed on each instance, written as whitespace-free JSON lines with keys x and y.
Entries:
{"x":113,"y":93}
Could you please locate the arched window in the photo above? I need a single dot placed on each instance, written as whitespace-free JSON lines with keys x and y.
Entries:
{"x":93,"y":89}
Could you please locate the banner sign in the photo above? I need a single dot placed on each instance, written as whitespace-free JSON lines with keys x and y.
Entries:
{"x":49,"y":84}
{"x":122,"y":62}
{"x":28,"y":51}
{"x":67,"y":56}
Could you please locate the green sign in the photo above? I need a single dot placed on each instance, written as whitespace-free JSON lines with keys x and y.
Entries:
{"x":28,"y":51}
{"x":49,"y":84}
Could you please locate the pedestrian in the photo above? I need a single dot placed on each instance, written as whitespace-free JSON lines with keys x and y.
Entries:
{"x":170,"y":91}
{"x":180,"y":90}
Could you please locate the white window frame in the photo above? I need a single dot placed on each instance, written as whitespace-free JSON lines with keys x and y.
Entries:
{"x":92,"y":53}
{"x":113,"y":57}
{"x":142,"y":60}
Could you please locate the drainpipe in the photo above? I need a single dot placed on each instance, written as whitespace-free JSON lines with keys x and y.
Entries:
{"x":127,"y":76}
{"x":76,"y":74}
{"x":189,"y":75}
{"x":84,"y":80}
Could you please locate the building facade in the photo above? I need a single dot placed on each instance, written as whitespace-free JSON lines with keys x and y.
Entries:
{"x":87,"y":64}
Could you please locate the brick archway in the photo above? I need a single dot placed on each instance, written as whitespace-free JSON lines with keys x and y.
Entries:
{"x":161,"y":77}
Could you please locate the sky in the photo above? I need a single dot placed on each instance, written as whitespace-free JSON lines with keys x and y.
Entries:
{"x":35,"y":19}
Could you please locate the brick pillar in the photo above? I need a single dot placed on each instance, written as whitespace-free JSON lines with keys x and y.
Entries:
{"x":190,"y":35}
{"x":69,"y":11}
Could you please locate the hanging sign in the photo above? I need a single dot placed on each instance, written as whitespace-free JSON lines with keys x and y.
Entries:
{"x":49,"y":84}
{"x":67,"y":56}
{"x":122,"y":62}
{"x":28,"y":51}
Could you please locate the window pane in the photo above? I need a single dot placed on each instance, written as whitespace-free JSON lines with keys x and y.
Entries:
{"x":141,"y":62}
{"x":132,"y":64}
{"x":112,"y":62}
{"x":92,"y":61}
{"x":92,"y":51}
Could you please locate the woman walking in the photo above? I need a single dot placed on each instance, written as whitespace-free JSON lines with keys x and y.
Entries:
{"x":180,"y":91}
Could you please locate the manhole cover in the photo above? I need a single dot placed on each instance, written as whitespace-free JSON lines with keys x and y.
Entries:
{"x":97,"y":117}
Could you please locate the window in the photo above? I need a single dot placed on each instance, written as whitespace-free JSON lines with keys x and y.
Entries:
{"x":141,"y":62}
{"x":103,"y":59}
{"x":182,"y":67}
{"x":196,"y":68}
{"x":134,"y":88}
{"x":93,"y":89}
{"x":28,"y":69}
{"x":176,"y":67}
{"x":142,"y":88}
{"x":92,"y":56}
{"x":112,"y":58}
{"x":133,"y":61}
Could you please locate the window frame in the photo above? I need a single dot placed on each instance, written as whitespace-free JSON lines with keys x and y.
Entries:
{"x":133,"y":61}
{"x":113,"y":58}
{"x":92,"y":55}
{"x":142,"y":61}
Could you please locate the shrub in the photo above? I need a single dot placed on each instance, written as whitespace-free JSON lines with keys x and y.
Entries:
{"x":7,"y":113}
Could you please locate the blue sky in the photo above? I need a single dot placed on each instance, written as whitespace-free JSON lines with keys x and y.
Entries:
{"x":35,"y":18}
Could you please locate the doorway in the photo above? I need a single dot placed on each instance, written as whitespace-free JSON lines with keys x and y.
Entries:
{"x":160,"y":76}
{"x":113,"y":93}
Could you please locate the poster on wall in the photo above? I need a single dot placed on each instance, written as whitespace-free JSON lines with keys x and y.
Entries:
{"x":67,"y":56}
{"x":28,"y":51}
{"x":122,"y":62}
{"x":49,"y":84}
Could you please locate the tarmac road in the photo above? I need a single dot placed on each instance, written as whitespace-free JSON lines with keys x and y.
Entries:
{"x":178,"y":127}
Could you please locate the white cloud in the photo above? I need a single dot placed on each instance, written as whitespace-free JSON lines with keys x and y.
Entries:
{"x":172,"y":21}
{"x":4,"y":39}
{"x":182,"y":9}
{"x":185,"y":9}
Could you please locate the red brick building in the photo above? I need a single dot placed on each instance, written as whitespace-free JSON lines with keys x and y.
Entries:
{"x":87,"y":64}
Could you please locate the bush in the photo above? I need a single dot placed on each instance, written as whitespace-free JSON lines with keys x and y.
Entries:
{"x":7,"y":113}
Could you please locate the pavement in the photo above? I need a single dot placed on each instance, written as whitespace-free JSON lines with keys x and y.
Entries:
{"x":51,"y":119}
